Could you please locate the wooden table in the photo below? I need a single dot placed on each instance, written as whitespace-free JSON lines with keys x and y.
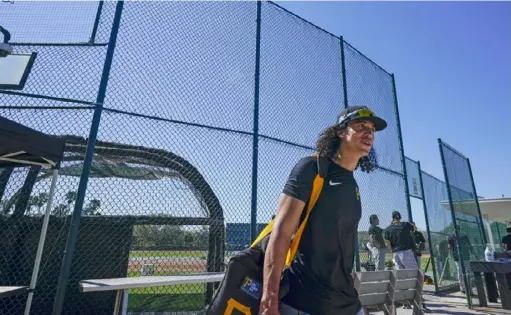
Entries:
{"x":497,"y":271}
{"x":10,"y":291}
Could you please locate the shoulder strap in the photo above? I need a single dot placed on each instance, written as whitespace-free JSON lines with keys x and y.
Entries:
{"x":317,"y":186}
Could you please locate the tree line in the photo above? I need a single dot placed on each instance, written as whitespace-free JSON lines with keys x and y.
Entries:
{"x":169,"y":237}
{"x":37,"y":205}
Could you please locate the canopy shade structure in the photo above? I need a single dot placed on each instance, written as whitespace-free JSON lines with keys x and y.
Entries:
{"x":493,"y":209}
{"x":22,"y":146}
{"x":105,"y":168}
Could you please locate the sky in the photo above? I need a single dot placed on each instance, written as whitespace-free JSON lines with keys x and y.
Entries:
{"x":194,"y":62}
{"x":452,"y":66}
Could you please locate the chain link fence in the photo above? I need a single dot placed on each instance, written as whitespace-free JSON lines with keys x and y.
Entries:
{"x":454,"y":226}
{"x":383,"y":190}
{"x":208,"y":106}
{"x":470,"y":237}
{"x":70,"y":40}
{"x":421,"y":217}
{"x":440,"y":227}
{"x":498,"y":231}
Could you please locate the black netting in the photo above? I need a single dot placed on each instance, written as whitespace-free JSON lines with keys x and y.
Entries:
{"x":440,"y":227}
{"x":384,"y":190}
{"x":370,"y":85}
{"x":50,"y":22}
{"x":381,"y":193}
{"x":170,"y":186}
{"x":301,"y":82}
{"x":191,"y":62}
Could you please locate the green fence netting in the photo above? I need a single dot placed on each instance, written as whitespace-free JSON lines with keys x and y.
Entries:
{"x":464,"y":207}
{"x":440,"y":228}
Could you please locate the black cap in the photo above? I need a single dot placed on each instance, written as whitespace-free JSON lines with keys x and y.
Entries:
{"x":396,"y":215}
{"x":360,"y":113}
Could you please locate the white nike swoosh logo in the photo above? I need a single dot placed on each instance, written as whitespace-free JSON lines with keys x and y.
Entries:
{"x":333,"y":184}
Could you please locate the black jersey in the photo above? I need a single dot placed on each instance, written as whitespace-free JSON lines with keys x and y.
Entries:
{"x":320,"y":276}
{"x":400,"y":236}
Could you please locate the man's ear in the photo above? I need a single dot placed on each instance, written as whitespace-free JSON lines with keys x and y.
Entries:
{"x":341,"y":133}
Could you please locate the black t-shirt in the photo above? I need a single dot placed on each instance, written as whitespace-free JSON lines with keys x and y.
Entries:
{"x":320,"y":277}
{"x":400,"y":236}
{"x":419,"y":237}
{"x":464,"y":244}
{"x":420,"y":243}
{"x":507,"y":240}
{"x":378,"y":233}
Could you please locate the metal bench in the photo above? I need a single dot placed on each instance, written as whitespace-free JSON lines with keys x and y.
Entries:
{"x":122,"y":285}
{"x":383,"y":289}
{"x":10,"y":291}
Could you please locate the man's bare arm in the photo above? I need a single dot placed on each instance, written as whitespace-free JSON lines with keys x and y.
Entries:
{"x":387,"y":242}
{"x":286,"y":221}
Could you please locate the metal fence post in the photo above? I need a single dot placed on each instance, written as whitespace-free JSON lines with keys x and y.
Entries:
{"x":87,"y":162}
{"x":481,"y":224}
{"x":96,"y":22}
{"x":455,"y":225}
{"x":402,"y":150}
{"x":345,"y":97}
{"x":255,"y":136}
{"x":433,"y":266}
{"x":343,"y":70}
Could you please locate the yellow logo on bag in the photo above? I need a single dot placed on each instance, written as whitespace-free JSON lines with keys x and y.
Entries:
{"x":232,"y":305}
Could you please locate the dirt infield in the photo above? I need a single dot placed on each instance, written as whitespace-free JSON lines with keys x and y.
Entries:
{"x":172,"y":265}
{"x":169,"y":265}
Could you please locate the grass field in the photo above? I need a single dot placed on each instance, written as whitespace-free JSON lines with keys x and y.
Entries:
{"x":186,"y":297}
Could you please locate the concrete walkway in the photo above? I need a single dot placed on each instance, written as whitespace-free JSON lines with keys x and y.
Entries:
{"x":455,"y":304}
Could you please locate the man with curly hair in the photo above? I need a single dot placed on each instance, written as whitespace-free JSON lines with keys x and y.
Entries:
{"x":320,"y":280}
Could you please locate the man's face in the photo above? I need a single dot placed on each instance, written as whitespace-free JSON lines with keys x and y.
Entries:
{"x":359,"y":136}
{"x":376,"y":221}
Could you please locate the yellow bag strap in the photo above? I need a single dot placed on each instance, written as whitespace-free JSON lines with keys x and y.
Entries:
{"x":293,"y":248}
{"x":263,"y":233}
{"x":316,"y":190}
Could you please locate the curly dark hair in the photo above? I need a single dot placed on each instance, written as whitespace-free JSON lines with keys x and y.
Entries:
{"x":328,"y":144}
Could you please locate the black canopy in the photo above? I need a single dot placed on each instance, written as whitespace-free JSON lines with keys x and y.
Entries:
{"x":22,"y":146}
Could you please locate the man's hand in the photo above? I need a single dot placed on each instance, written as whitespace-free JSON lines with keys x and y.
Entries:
{"x":286,"y":221}
{"x":389,"y":247}
{"x":269,"y":305}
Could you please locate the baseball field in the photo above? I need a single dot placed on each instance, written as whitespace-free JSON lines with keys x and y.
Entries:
{"x":185,"y":297}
